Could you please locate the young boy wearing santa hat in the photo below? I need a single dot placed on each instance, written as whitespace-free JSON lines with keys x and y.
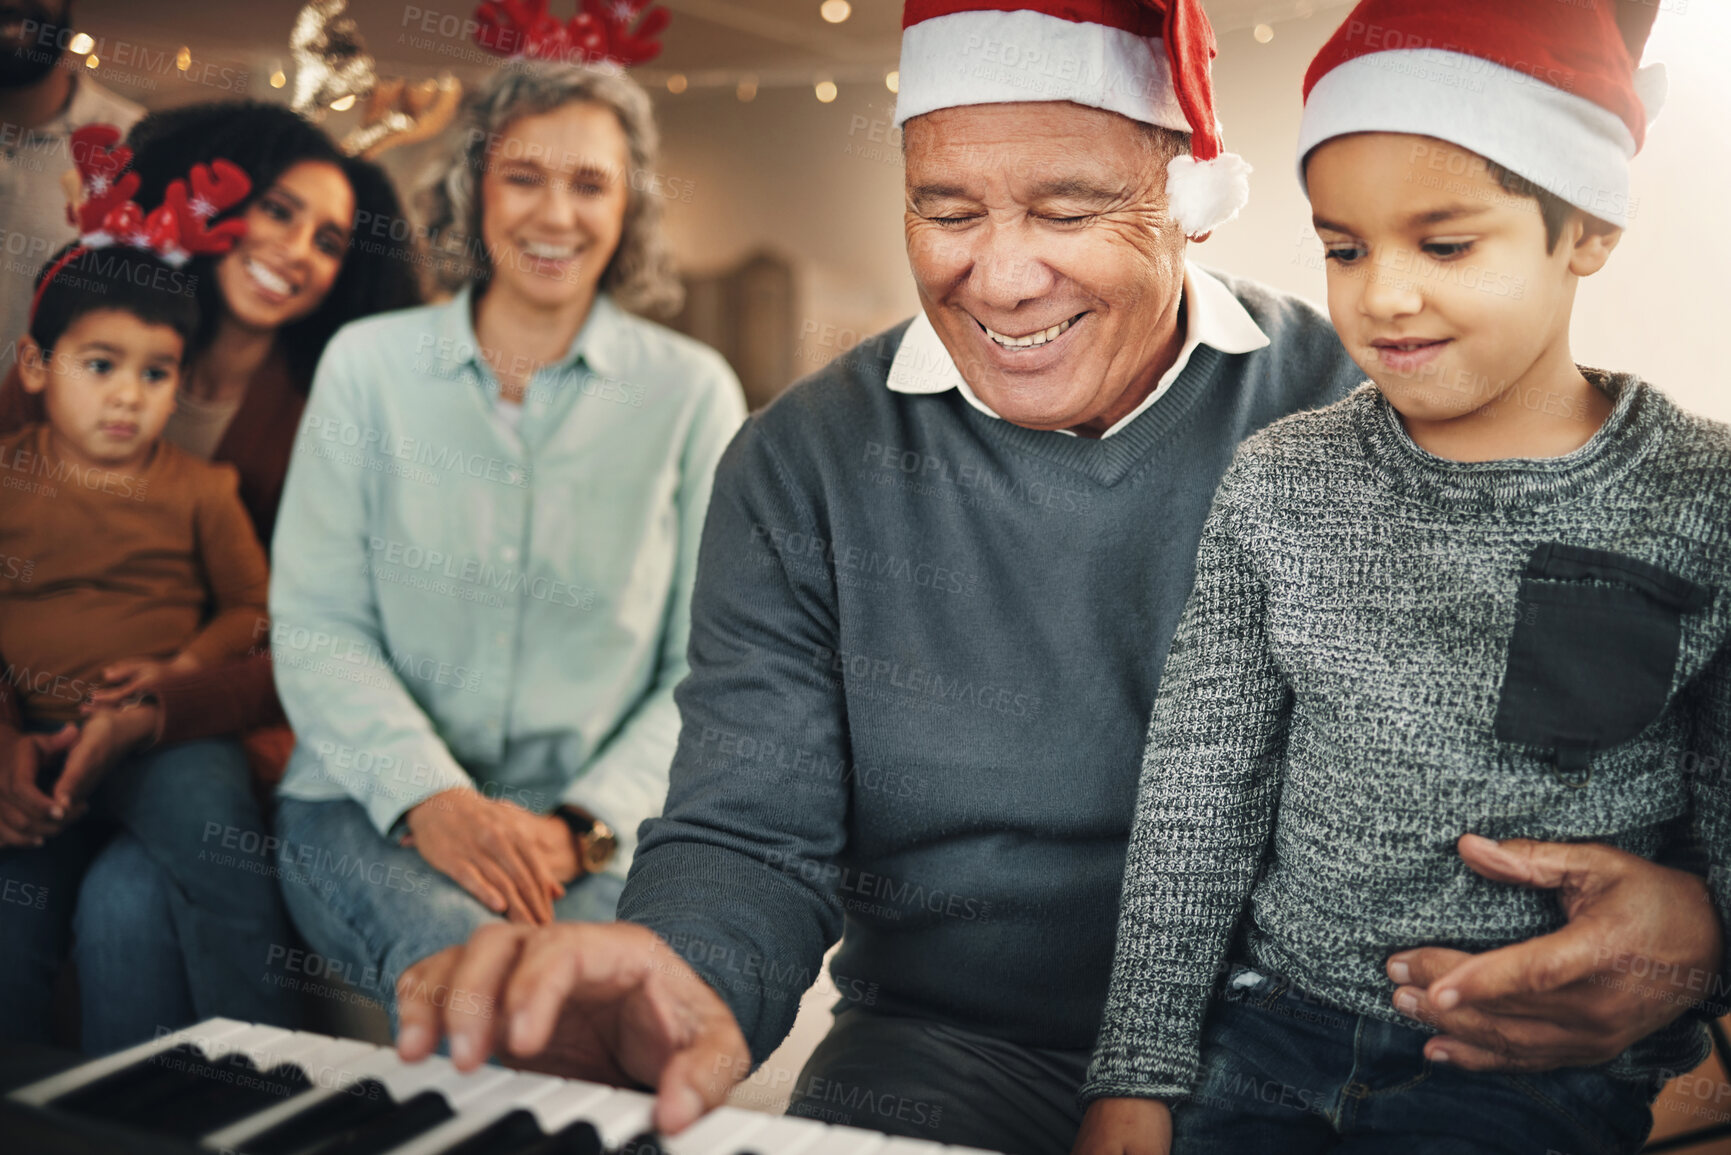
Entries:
{"x":1488,"y":594}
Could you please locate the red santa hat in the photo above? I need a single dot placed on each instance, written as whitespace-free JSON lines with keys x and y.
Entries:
{"x":1146,"y":59}
{"x":1548,"y":90}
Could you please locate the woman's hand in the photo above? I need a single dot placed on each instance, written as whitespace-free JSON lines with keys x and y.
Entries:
{"x":28,"y":816}
{"x":1125,"y":1127}
{"x":492,"y":849}
{"x":106,"y":738}
{"x":558,"y":848}
{"x":131,"y":676}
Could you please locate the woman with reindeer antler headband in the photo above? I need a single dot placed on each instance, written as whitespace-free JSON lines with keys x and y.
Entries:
{"x":250,"y":363}
{"x":487,"y":545}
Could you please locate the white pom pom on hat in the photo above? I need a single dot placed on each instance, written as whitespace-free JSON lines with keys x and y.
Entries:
{"x":1145,"y":59}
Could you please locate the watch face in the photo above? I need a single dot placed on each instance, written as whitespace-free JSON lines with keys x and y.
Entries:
{"x":598,"y":851}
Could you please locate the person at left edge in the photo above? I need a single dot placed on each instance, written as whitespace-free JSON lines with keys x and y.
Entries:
{"x":46,"y":94}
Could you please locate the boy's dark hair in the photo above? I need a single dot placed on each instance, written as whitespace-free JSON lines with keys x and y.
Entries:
{"x":1553,"y":209}
{"x":267,"y":140}
{"x":116,"y":277}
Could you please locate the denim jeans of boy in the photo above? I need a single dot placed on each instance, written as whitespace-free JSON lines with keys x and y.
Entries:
{"x":1284,"y":1073}
{"x":369,"y":908}
{"x":163,"y":894}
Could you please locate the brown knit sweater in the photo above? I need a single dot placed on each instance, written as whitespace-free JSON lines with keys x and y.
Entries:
{"x":96,"y":566}
{"x":240,"y":696}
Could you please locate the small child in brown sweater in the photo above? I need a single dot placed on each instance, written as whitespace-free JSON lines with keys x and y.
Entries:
{"x":121,"y":557}
{"x":117,"y":544}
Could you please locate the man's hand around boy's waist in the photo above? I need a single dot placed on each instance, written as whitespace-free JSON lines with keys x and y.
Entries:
{"x":1642,"y":945}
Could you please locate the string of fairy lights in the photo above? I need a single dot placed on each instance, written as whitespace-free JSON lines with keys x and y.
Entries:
{"x":745,"y":85}
{"x":825,"y":85}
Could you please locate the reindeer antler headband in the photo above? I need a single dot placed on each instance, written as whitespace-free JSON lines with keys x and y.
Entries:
{"x":601,"y":30}
{"x":175,"y":231}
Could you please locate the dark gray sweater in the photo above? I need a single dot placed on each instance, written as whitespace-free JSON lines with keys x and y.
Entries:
{"x":924,"y":645}
{"x":1384,"y":650}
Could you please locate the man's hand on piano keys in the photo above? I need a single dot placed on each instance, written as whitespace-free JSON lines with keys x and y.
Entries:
{"x":602,"y":1001}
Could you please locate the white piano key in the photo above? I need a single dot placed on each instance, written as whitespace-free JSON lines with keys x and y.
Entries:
{"x":723,"y":1131}
{"x":567,"y":1104}
{"x":302,"y":1044}
{"x":518,"y":1091}
{"x":39,"y":1093}
{"x":455,"y":1086}
{"x":341,"y":1063}
{"x":622,"y":1115}
{"x":852,"y":1141}
{"x":465,"y":1089}
{"x":403,"y":1081}
{"x":790,"y":1135}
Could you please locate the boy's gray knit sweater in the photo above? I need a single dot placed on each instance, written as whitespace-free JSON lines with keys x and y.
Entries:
{"x":1364,"y":671}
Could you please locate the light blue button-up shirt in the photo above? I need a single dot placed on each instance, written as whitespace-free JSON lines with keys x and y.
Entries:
{"x":459,"y":602}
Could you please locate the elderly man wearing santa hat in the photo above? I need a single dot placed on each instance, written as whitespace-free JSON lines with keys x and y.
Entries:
{"x":937,"y":586}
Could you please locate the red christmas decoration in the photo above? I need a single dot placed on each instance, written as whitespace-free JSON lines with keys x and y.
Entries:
{"x":175,"y":231}
{"x":622,"y":32}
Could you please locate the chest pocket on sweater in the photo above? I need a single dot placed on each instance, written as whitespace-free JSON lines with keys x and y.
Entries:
{"x":1593,"y":652}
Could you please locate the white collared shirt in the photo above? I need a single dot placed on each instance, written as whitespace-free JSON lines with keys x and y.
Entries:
{"x":1212,"y":316}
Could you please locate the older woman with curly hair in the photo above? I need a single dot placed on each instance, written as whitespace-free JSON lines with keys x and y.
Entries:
{"x":484,"y":557}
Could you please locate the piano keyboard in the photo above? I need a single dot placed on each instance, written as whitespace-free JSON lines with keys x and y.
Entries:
{"x":234,"y":1088}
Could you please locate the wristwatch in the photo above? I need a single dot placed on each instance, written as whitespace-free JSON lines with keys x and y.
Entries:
{"x":596,"y":842}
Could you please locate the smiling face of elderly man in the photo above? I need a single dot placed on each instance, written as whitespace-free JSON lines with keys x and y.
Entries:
{"x":1045,"y":256}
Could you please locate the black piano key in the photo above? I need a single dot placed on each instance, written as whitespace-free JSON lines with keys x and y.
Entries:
{"x":420,"y":1114}
{"x":511,"y":1132}
{"x":45,"y":1131}
{"x":377,"y":1132}
{"x":186,"y":1096}
{"x":122,"y":1095}
{"x":519,"y":1133}
{"x":227,"y":1091}
{"x":357,"y":1106}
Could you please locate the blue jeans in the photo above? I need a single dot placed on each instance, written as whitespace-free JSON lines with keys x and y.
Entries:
{"x":1283,"y":1072}
{"x":166,"y":925}
{"x":369,"y":908}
